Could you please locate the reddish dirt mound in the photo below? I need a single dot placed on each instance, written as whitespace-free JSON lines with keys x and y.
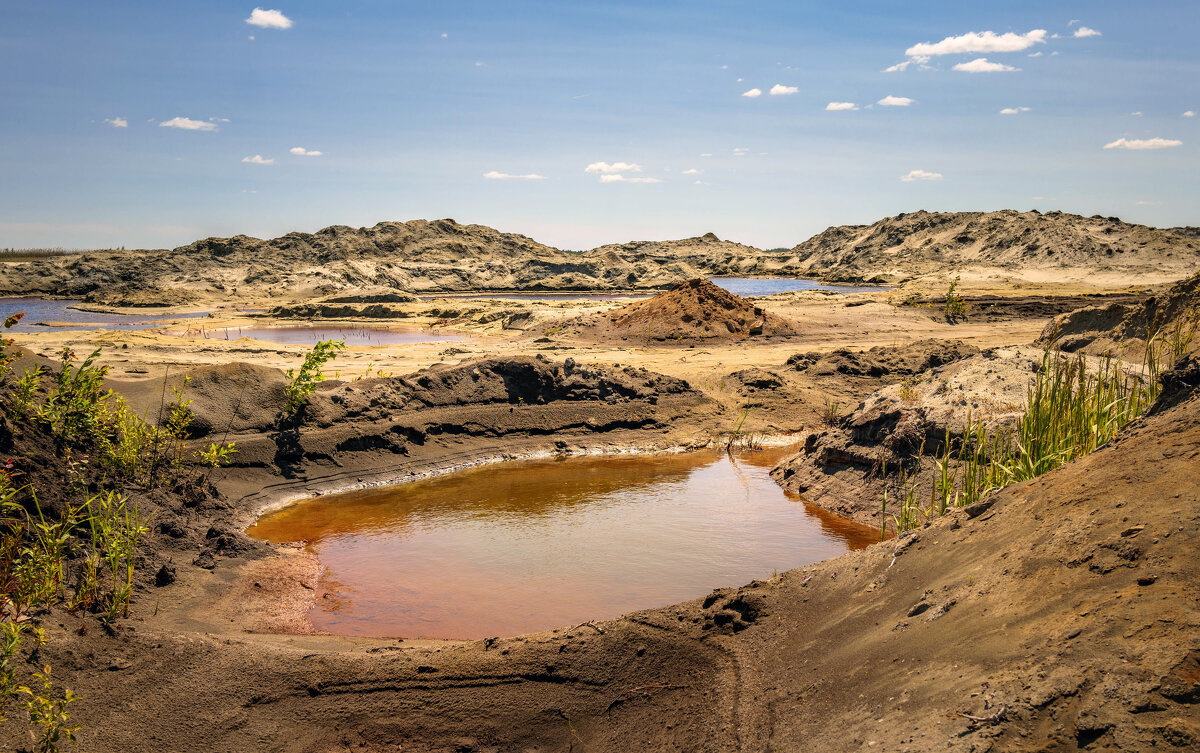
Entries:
{"x":690,"y":311}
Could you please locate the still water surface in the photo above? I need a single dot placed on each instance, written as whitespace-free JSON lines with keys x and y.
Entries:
{"x":40,"y":310}
{"x":520,"y":547}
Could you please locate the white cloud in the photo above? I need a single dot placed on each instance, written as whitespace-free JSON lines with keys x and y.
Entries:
{"x":986,"y":41}
{"x":1014,"y":110}
{"x":890,"y":101}
{"x":920,"y":175}
{"x":269,"y":19}
{"x":187,"y":124}
{"x":618,"y":178}
{"x":755,"y":92}
{"x":1037,"y":54}
{"x":834,"y":106}
{"x":117,"y":122}
{"x":480,"y":64}
{"x":1189,"y":114}
{"x":1072,"y":22}
{"x":300,"y":151}
{"x":780,"y":89}
{"x":615,"y":167}
{"x":258,"y":159}
{"x":493,"y":175}
{"x":219,"y":120}
{"x":920,"y":61}
{"x":1084,"y":31}
{"x":1156,"y":143}
{"x":983,"y":65}
{"x":445,"y":35}
{"x":1143,"y":203}
{"x":706,"y":154}
{"x":1136,"y":113}
{"x":692,"y":171}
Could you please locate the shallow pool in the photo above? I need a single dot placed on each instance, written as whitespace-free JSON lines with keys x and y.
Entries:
{"x":520,"y":547}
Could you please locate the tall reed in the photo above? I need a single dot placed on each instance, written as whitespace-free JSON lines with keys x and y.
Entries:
{"x":1071,"y":409}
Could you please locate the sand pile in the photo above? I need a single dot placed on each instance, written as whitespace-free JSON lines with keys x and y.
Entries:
{"x":690,"y":311}
{"x":1112,"y":327}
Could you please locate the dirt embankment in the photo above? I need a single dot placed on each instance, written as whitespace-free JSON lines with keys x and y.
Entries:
{"x":378,"y":430}
{"x":1115,"y":326}
{"x":690,"y":312}
{"x":1060,"y":615}
{"x":841,"y":467}
{"x":930,"y":247}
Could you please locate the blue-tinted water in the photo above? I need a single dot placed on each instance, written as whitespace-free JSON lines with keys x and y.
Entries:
{"x":40,"y":310}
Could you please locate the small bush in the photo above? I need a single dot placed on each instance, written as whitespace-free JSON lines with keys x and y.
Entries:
{"x":301,"y":384}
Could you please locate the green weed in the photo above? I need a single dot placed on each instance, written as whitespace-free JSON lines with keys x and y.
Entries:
{"x":301,"y":384}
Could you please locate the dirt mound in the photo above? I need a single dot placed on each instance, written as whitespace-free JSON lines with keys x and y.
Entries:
{"x":1186,"y":231}
{"x":1009,"y":243}
{"x":1111,"y":327}
{"x":839,"y":467}
{"x":696,"y":310}
{"x":884,"y":360}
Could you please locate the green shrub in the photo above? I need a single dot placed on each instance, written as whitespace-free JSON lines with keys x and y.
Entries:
{"x":301,"y":384}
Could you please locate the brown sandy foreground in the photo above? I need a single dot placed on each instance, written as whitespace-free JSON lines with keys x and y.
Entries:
{"x":1057,"y":615}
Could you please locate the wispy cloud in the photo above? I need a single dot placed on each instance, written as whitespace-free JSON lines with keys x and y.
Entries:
{"x":269,"y":19}
{"x":692,"y":171}
{"x":1014,"y":110}
{"x":493,"y":175}
{"x":779,"y":90}
{"x":117,"y":122}
{"x":1155,"y":143}
{"x":918,"y":60}
{"x":258,"y":159}
{"x":300,"y":151}
{"x":1084,"y":31}
{"x":983,"y":41}
{"x":1189,"y":114}
{"x":890,"y":101}
{"x":619,"y":178}
{"x":920,"y":175}
{"x":615,"y":167}
{"x":835,"y":106}
{"x":983,"y":65}
{"x":187,"y":124}
{"x":755,"y":92}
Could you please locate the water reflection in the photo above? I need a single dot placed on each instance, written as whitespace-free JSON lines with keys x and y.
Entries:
{"x":518,"y":547}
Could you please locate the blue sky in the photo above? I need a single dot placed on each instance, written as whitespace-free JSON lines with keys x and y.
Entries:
{"x":610,"y":104}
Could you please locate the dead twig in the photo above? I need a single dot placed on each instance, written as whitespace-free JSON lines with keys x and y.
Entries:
{"x":993,"y":719}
